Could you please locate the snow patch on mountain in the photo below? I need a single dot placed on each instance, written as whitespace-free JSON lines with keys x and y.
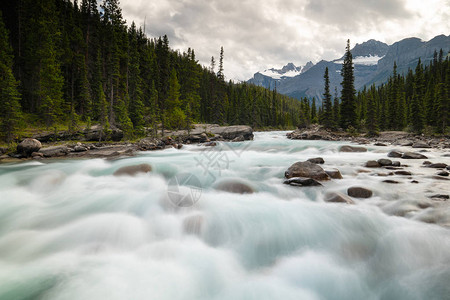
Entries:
{"x":363,"y":60}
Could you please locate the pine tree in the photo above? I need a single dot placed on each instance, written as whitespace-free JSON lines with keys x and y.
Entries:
{"x":371,"y":122}
{"x":314,"y":118}
{"x":10,"y":110}
{"x":348,"y":100}
{"x":336,"y":109}
{"x":327,"y":105}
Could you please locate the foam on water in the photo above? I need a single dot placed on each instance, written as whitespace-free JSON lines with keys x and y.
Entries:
{"x":72,"y":230}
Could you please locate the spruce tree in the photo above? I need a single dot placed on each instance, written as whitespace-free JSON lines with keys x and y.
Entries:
{"x":327,"y":105}
{"x":348,"y":99}
{"x":371,"y":121}
{"x":10,"y":110}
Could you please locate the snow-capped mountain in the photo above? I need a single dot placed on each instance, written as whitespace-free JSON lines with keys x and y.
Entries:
{"x":373,"y":63}
{"x":270,"y":77}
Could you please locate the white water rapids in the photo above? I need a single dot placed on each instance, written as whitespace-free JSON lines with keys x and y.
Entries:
{"x":69,"y":229}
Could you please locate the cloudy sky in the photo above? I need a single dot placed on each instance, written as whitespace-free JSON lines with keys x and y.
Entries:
{"x":259,"y":34}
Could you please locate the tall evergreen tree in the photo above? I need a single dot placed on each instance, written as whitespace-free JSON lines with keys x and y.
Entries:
{"x":328,"y":121}
{"x":10,"y":110}
{"x":348,"y":99}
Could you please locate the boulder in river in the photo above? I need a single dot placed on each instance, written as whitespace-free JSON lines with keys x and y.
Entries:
{"x":359,"y":192}
{"x":316,"y":160}
{"x":437,"y":166}
{"x":413,"y":155}
{"x":306,"y":169}
{"x":28,"y":146}
{"x":394,"y":153}
{"x":443,"y":173}
{"x":403,"y":173}
{"x":334,"y":173}
{"x":385,"y":162}
{"x":232,"y":132}
{"x":133,"y":170}
{"x":348,"y":148}
{"x":372,"y":164}
{"x":235,"y":186}
{"x":338,"y":198}
{"x":302,"y":181}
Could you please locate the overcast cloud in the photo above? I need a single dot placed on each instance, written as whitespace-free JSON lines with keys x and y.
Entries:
{"x":259,"y":34}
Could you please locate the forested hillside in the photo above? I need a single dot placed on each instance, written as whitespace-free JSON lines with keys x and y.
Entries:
{"x":418,"y":102}
{"x":66,"y":63}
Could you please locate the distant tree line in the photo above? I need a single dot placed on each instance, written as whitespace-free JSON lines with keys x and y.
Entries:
{"x":65,"y":62}
{"x":418,"y":101}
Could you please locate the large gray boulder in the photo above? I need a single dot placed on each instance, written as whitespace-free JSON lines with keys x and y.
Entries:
{"x":306,"y":169}
{"x":232,"y":132}
{"x":55,"y":151}
{"x":28,"y":146}
{"x":348,"y":148}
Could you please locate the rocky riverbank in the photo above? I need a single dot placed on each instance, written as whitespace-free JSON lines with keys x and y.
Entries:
{"x":385,"y":138}
{"x":41,"y":147}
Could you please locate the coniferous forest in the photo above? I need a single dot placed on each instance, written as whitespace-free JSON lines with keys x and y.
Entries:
{"x":67,"y":63}
{"x":417,"y":102}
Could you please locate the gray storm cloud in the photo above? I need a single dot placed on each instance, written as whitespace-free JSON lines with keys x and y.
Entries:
{"x":258,"y":34}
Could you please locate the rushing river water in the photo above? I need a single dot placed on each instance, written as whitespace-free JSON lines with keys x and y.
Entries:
{"x":69,"y":229}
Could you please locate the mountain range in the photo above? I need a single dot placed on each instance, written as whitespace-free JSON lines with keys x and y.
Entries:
{"x":373,"y":61}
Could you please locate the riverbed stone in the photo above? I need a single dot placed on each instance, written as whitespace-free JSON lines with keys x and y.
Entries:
{"x":443,"y":173}
{"x":54,"y":151}
{"x":413,"y":155}
{"x":306,"y":169}
{"x":403,"y":173}
{"x":334,"y":173}
{"x":391,"y":181}
{"x":396,"y":164}
{"x":232,"y":132}
{"x":359,"y":192}
{"x":384,"y":162}
{"x":133,"y":170}
{"x":302,"y":181}
{"x":348,"y":148}
{"x":437,"y":166}
{"x":421,"y":145}
{"x":28,"y":146}
{"x":316,"y":160}
{"x":337,"y":197}
{"x":234,"y":186}
{"x":372,"y":164}
{"x":394,"y":153}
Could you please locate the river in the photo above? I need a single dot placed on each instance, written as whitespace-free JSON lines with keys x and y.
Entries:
{"x":69,"y":229}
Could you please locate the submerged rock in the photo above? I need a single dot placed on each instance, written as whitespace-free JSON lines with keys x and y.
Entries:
{"x":338,"y":198}
{"x":133,"y":170}
{"x":372,"y":164}
{"x":443,"y":173}
{"x":437,"y":166}
{"x":385,"y":162}
{"x":235,"y":186}
{"x":28,"y":146}
{"x":316,"y":160}
{"x":306,"y":169}
{"x":348,"y":148}
{"x":394,"y":153}
{"x":413,"y":155}
{"x":359,"y":192}
{"x":403,"y":173}
{"x":302,"y":181}
{"x":334,"y":173}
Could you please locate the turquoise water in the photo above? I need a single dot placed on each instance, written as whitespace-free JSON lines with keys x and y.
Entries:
{"x":69,"y":229}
